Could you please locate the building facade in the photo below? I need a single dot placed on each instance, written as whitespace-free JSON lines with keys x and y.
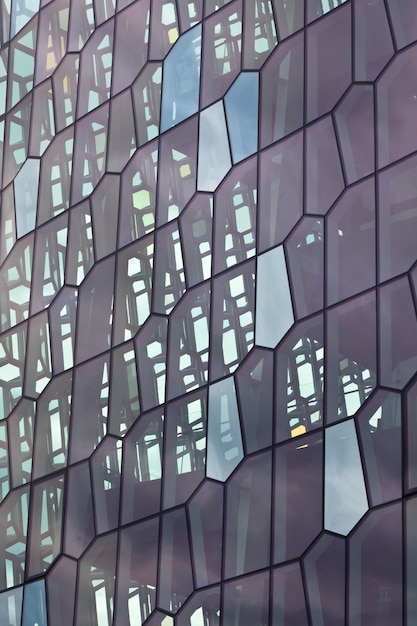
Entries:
{"x":208,"y":331}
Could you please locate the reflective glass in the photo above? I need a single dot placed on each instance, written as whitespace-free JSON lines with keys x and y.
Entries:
{"x":274,"y":313}
{"x":241,"y":102}
{"x":181,"y":81}
{"x":224,"y":438}
{"x":345,"y":499}
{"x":213,"y":151}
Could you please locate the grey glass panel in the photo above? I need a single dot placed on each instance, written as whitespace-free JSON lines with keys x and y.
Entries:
{"x":104,"y":203}
{"x":274,"y":312}
{"x":280,"y":191}
{"x":122,"y":137}
{"x":142,"y":468}
{"x":411,"y":437}
{"x":61,"y":605}
{"x":137,"y":212}
{"x":375,"y":588}
{"x":246,"y":601}
{"x":34,"y":604}
{"x":11,"y":607}
{"x":232,"y":330}
{"x":96,"y":69}
{"x":397,"y":334}
{"x":190,"y":13}
{"x":79,"y":513}
{"x":224,"y":445}
{"x":259,"y":33}
{"x":299,"y":380}
{"x":136,"y":578}
{"x":398,"y":218}
{"x":203,"y":607}
{"x":131,"y":33}
{"x":222,"y":42}
{"x":106,"y":466}
{"x":404,"y":21}
{"x":90,"y":407}
{"x":234,"y":237}
{"x":288,"y":597}
{"x":95,"y":304}
{"x":205,"y":511}
{"x":185,"y":448}
{"x":80,"y":252}
{"x":181,"y":79}
{"x":397,"y":110}
{"x":324,"y":568}
{"x":282,"y":87}
{"x":151,"y":345}
{"x":305,"y":256}
{"x":124,"y":398}
{"x":317,"y":8}
{"x":345,"y":500}
{"x":328,"y":62}
{"x":14,"y":521}
{"x":11,"y":369}
{"x":96,"y":582}
{"x":26,"y":196}
{"x":241,"y":102}
{"x":45,"y":526}
{"x":134,"y":281}
{"x":213,"y":148}
{"x":355,"y":125}
{"x":177,"y":170}
{"x":254,"y":381}
{"x":147,"y":99}
{"x":351,"y":361}
{"x":21,"y":426}
{"x":290,"y":16}
{"x":323,"y":171}
{"x":62,"y":321}
{"x":298,"y":499}
{"x":410,"y":540}
{"x":164,"y":28}
{"x":380,"y":433}
{"x":351,"y":226}
{"x":49,"y":262}
{"x":196,"y":235}
{"x":169,"y":276}
{"x":175,"y":575}
{"x":38,"y":371}
{"x":248,"y":517}
{"x":373,"y":43}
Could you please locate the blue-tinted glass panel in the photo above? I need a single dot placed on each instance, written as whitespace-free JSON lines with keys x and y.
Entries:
{"x":242,"y":115}
{"x":181,"y":79}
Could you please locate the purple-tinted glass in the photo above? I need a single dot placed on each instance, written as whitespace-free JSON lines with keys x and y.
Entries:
{"x":298,"y":515}
{"x":350,"y":239}
{"x":375,"y":588}
{"x":323,"y":171}
{"x":351,"y":361}
{"x":397,"y":334}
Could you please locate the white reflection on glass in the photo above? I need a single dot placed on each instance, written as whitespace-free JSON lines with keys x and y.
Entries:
{"x":26,"y":196}
{"x":181,"y":84}
{"x":345,"y":500}
{"x":241,"y":104}
{"x":274,"y":312}
{"x":224,"y":446}
{"x":213,"y":148}
{"x":22,"y":12}
{"x":11,"y":606}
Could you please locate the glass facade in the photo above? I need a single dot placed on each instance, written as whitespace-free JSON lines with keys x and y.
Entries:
{"x":208,"y":329}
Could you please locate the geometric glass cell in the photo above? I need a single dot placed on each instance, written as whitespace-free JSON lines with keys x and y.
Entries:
{"x":213,"y":148}
{"x":181,"y":79}
{"x":345,"y":500}
{"x":241,"y":102}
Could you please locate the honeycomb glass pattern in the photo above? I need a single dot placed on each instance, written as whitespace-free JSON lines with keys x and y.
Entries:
{"x":208,"y":328}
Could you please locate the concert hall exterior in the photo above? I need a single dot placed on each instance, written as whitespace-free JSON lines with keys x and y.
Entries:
{"x":208,"y":330}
